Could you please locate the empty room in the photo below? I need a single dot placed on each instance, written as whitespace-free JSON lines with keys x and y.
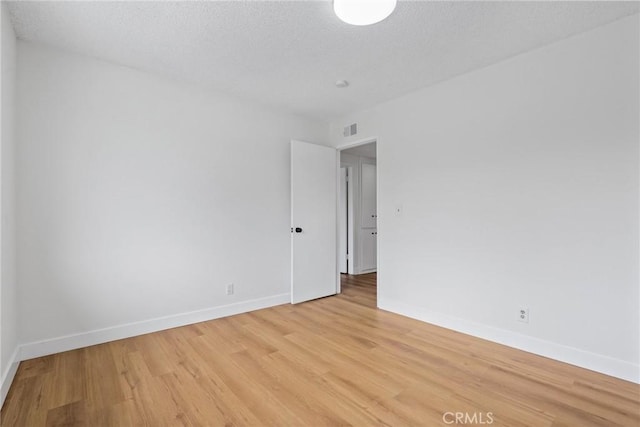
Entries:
{"x":320,"y":213}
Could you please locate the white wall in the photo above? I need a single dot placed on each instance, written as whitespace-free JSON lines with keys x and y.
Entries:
{"x":8,"y":287}
{"x":519,"y":184}
{"x":141,"y":198}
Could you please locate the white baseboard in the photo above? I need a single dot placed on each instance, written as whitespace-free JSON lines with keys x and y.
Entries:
{"x":8,"y":375}
{"x":584,"y":359}
{"x":99,"y":336}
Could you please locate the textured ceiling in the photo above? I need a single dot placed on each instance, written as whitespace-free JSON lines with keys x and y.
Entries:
{"x":289,"y":54}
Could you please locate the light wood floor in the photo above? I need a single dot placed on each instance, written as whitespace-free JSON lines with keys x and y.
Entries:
{"x":333,"y":361}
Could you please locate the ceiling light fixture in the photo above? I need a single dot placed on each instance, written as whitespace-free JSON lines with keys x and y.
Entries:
{"x":342,"y":83}
{"x":363,"y":12}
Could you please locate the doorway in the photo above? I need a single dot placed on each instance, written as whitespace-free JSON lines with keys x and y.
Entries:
{"x":357,"y":218}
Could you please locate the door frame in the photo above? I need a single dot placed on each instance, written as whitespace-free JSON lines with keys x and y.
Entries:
{"x":339,"y":149}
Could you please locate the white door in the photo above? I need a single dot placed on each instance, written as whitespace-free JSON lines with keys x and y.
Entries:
{"x":369,"y":249}
{"x":343,"y":222}
{"x":368,"y":188}
{"x":369,"y":231}
{"x":313,"y":221}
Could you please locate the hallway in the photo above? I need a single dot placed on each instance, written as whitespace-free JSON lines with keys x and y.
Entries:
{"x":360,"y":289}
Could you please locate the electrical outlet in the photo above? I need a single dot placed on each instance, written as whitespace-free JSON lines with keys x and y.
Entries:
{"x":230,"y":289}
{"x":523,"y":315}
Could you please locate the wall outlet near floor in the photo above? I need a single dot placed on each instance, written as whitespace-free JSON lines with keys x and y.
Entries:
{"x":523,"y":315}
{"x":230,"y":289}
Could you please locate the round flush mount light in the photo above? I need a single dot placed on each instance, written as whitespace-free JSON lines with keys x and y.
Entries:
{"x":342,"y":83}
{"x":363,"y":12}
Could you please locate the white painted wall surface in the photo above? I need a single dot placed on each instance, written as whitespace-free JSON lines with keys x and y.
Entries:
{"x":141,"y":198}
{"x":519,"y":185}
{"x":8,"y":286}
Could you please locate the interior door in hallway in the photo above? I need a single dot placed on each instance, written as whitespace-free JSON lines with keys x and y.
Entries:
{"x":369,"y":227}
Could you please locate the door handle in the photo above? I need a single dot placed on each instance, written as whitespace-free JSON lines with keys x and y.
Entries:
{"x":298,"y":230}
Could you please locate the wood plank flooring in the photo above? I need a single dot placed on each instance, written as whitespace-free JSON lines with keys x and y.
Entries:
{"x":333,"y":361}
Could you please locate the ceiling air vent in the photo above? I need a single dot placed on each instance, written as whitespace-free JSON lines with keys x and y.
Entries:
{"x":350,"y":130}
